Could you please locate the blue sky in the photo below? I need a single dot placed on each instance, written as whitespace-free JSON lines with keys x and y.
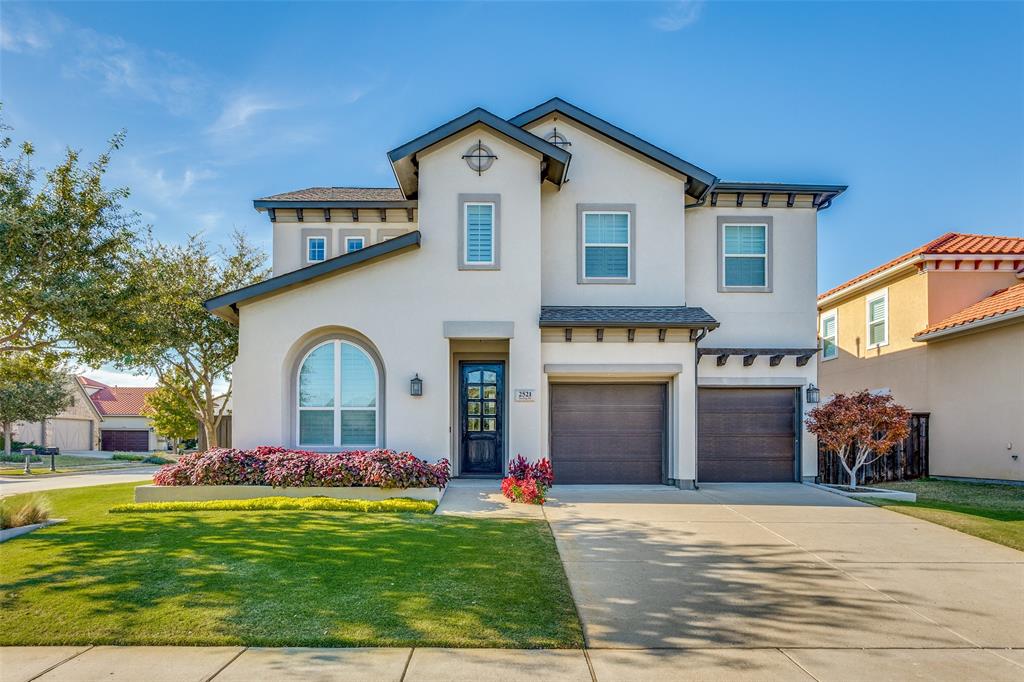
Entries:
{"x":917,"y":106}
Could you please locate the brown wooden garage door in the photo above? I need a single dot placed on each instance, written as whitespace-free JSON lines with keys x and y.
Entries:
{"x":124,"y":440}
{"x":746,"y":434}
{"x":607,"y":433}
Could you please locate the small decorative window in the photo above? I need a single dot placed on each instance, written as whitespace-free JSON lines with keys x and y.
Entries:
{"x":479,"y":157}
{"x":606,"y":245}
{"x":316,"y":249}
{"x":829,"y":336}
{"x":744,"y":256}
{"x":878,"y":319}
{"x":337,"y":397}
{"x":479,"y":238}
{"x":353,"y":244}
{"x":558,"y":139}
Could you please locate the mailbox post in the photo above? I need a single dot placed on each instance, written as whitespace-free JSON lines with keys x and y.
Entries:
{"x":52,"y":452}
{"x":28,"y":453}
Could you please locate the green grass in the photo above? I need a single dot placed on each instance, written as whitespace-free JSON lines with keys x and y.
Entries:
{"x":290,"y":578}
{"x":393,"y":505}
{"x":989,"y":511}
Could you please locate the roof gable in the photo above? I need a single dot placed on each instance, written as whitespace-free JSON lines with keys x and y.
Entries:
{"x":700,"y":180}
{"x":993,"y":308}
{"x":403,"y":158}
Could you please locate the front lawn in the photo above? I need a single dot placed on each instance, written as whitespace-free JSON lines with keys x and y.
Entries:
{"x":989,"y":511}
{"x":283,"y":578}
{"x":64,"y":463}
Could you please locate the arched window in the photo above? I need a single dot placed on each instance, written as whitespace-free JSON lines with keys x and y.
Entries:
{"x":338,"y":393}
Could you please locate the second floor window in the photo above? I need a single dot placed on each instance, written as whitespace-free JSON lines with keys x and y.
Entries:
{"x":878,"y":319}
{"x":606,"y":245}
{"x":353,"y":244}
{"x":479,"y":221}
{"x":829,"y":336}
{"x":745,"y":255}
{"x":316,"y":249}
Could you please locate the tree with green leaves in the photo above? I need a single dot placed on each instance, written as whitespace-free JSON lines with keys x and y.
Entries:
{"x":66,"y":254}
{"x":190,"y":350}
{"x":173,"y":415}
{"x":32,"y":389}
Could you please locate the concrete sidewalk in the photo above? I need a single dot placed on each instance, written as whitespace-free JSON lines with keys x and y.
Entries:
{"x":238,"y":664}
{"x":14,"y":485}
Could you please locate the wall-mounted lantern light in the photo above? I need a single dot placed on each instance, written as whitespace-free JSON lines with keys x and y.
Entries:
{"x":416,"y":386}
{"x":813,"y":394}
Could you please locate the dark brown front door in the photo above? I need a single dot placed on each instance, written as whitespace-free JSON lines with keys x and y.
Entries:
{"x":482,"y":417}
{"x":607,"y":433}
{"x":126,"y":441}
{"x":746,"y":435}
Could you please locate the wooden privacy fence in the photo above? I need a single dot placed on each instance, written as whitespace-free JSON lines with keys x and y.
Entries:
{"x":907,"y":460}
{"x":223,"y":434}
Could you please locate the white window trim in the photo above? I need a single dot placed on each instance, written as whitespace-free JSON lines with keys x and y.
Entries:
{"x":337,"y":408}
{"x":883,"y":294}
{"x":628,"y":245}
{"x":309,"y":240}
{"x":764,"y":256}
{"x":362,"y":244}
{"x":465,"y":236}
{"x":834,"y":316}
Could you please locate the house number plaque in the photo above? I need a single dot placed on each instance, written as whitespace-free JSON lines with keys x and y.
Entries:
{"x":524,"y":395}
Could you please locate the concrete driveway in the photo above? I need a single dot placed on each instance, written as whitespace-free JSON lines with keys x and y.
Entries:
{"x":784,"y":567}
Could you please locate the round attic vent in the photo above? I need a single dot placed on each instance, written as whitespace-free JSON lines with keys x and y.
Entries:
{"x":479,"y":157}
{"x":558,"y":139}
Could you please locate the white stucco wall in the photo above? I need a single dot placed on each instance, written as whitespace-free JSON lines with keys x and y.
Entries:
{"x":602,"y":173}
{"x":786,"y":317}
{"x":400,"y":304}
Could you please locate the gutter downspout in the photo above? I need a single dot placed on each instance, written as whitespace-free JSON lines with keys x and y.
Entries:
{"x":696,"y":397}
{"x":700,"y":202}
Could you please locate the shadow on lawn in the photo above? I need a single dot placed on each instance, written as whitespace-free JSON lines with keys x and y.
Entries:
{"x":300,"y":579}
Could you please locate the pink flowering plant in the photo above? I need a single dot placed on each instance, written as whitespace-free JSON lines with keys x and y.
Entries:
{"x":283,"y":468}
{"x":528,"y":482}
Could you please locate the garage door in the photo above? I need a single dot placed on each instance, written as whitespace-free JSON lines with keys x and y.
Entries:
{"x":126,"y":441}
{"x":72,"y":434}
{"x":746,"y":434}
{"x":607,"y":433}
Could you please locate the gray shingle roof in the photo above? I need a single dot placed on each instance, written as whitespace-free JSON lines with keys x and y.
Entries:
{"x":626,"y":316}
{"x":340,"y":194}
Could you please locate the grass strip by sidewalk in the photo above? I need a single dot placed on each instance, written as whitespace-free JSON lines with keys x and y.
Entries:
{"x":989,"y":511}
{"x":392,"y":505}
{"x":287,"y":578}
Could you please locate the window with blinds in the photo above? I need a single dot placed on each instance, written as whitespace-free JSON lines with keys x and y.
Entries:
{"x":878,"y":320}
{"x":606,"y":245}
{"x":829,"y":336}
{"x":479,"y":233}
{"x":745,"y":255}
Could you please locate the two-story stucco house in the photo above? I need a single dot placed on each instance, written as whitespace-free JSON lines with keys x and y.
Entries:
{"x":941,"y":327}
{"x":546,"y":285}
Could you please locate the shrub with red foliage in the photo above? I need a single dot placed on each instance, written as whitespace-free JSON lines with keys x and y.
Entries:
{"x":281,"y":468}
{"x":528,"y":482}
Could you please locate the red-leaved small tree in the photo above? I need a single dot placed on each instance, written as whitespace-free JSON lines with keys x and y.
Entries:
{"x":859,"y":428}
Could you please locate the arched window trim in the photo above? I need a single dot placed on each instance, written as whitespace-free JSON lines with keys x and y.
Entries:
{"x":337,"y":407}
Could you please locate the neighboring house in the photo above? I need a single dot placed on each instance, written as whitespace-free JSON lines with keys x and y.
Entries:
{"x":502,"y":302}
{"x":75,"y":428}
{"x":124,"y":427}
{"x":942,"y":328}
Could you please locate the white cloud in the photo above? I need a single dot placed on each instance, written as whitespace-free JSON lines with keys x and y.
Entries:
{"x":20,"y":32}
{"x":679,"y":15}
{"x":115,"y":378}
{"x":240,"y":110}
{"x":155,"y":183}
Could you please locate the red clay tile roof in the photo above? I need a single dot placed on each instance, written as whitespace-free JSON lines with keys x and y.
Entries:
{"x":1001,"y":302}
{"x":91,"y":383}
{"x":949,"y":243}
{"x":340,"y":194}
{"x":119,"y":400}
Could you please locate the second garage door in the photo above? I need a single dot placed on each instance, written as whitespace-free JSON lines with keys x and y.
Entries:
{"x":72,"y":434}
{"x":746,"y":434}
{"x":607,"y":433}
{"x":125,"y":440}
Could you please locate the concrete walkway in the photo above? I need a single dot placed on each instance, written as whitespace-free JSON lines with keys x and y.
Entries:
{"x":237,"y":664}
{"x":14,"y":485}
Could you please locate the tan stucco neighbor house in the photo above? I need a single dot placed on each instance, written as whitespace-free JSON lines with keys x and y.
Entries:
{"x":76,"y":428}
{"x":547,"y":285}
{"x":942,"y":328}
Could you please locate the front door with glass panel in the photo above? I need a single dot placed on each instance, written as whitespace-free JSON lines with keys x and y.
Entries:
{"x":481,"y":417}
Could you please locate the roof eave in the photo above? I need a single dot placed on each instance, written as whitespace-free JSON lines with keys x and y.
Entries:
{"x":225,"y":306}
{"x":976,"y":325}
{"x":619,"y":324}
{"x":870,"y":281}
{"x":824,"y":195}
{"x":700,"y":179}
{"x":263,"y":204}
{"x":403,"y":158}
